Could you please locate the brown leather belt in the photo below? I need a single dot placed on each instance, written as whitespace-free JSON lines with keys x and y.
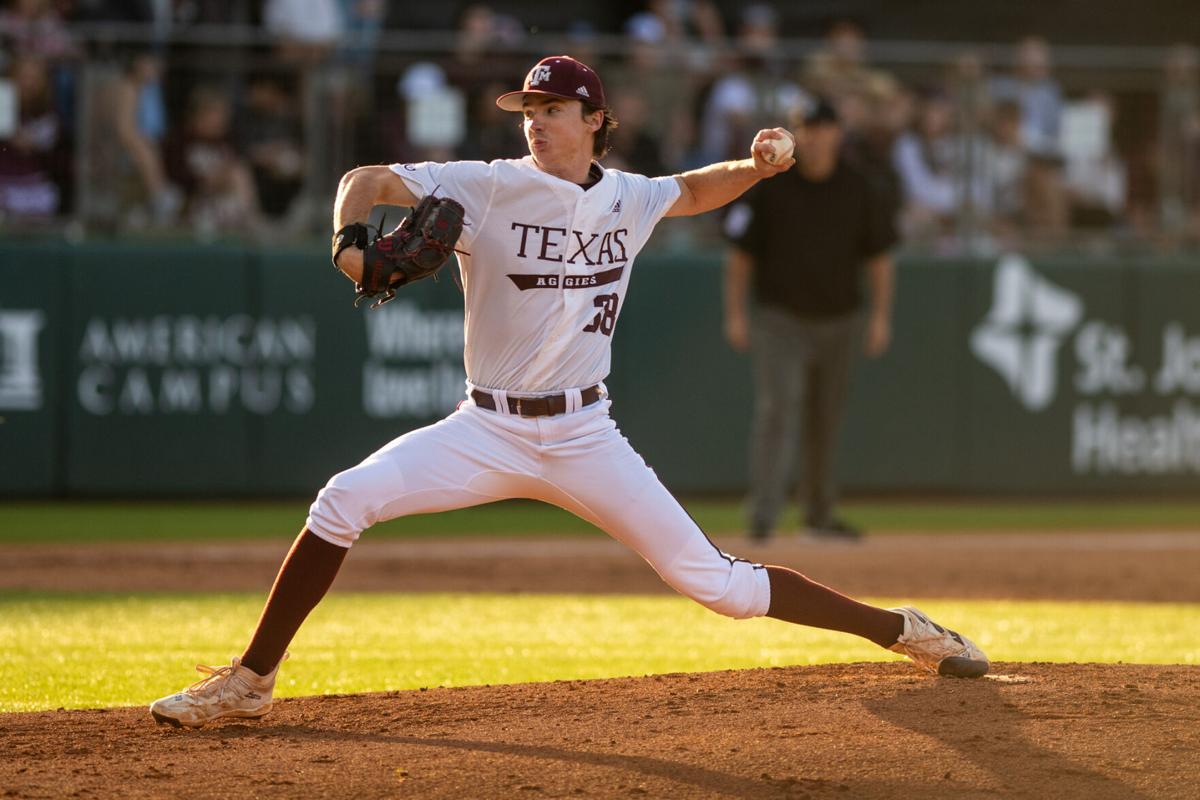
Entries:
{"x":536,"y":406}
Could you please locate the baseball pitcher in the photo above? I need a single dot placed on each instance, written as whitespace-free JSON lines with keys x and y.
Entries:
{"x":546,"y":246}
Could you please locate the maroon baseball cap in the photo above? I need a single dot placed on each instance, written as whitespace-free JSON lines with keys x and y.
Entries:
{"x":558,"y":76}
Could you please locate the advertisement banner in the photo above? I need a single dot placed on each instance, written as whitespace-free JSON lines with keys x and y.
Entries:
{"x":377,"y":373}
{"x":195,"y":370}
{"x":32,"y":292}
{"x":168,"y":365}
{"x":1085,"y":378}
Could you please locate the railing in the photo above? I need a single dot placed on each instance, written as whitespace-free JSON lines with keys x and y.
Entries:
{"x":227,"y":132}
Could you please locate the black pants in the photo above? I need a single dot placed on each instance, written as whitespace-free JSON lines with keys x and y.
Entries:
{"x":801,"y":377}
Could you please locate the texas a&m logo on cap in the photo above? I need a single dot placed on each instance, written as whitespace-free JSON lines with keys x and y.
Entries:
{"x":558,"y":76}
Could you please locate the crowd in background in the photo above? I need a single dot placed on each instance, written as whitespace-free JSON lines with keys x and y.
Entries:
{"x":162,"y":131}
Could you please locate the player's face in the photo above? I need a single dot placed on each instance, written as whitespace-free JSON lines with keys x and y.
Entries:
{"x":556,"y":130}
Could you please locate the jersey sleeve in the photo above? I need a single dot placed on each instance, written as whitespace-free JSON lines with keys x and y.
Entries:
{"x":468,"y":182}
{"x":652,"y":198}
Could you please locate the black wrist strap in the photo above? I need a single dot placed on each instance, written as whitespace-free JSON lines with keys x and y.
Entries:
{"x":356,"y":234}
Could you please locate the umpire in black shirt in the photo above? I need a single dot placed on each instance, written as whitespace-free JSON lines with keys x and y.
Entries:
{"x":805,"y":241}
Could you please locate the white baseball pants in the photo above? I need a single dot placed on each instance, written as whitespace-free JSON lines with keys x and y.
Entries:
{"x":578,"y":461}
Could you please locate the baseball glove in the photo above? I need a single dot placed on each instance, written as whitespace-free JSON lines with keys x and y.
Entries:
{"x":417,"y":249}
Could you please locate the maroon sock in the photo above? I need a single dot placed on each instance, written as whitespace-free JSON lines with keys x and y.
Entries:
{"x":795,"y":598}
{"x":305,"y":577}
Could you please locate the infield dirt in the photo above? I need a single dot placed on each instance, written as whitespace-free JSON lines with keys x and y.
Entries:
{"x":847,"y":731}
{"x":1027,"y":566}
{"x":853,"y":731}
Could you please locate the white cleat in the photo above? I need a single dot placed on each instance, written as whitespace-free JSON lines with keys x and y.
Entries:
{"x":937,"y":649}
{"x":232,"y":691}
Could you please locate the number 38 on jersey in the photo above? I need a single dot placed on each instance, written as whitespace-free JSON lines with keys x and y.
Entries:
{"x":606,"y":319}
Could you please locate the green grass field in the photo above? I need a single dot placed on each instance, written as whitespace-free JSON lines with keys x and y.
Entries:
{"x":166,"y":521}
{"x":96,"y":650}
{"x":88,"y":650}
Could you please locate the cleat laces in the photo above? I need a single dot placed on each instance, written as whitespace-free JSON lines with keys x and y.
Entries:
{"x":212,"y":677}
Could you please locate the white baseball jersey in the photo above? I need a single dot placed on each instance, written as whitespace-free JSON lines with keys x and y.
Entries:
{"x":548,"y":266}
{"x":545,"y":280}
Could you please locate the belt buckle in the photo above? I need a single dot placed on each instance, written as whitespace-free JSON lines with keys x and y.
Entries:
{"x":519,"y":414}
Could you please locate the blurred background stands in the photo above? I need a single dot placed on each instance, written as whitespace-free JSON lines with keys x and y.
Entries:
{"x":193,"y":118}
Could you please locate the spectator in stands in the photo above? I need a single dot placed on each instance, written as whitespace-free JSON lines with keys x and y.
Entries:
{"x":129,"y":179}
{"x":840,"y":66}
{"x":1033,"y":87}
{"x":839,"y":71}
{"x":202,"y":159}
{"x":1095,"y":175}
{"x":31,"y":155}
{"x":476,"y":35}
{"x":480,"y":47}
{"x":363,"y":22}
{"x":481,"y":57}
{"x":681,"y":25}
{"x":924,"y":157}
{"x":944,"y":175}
{"x":1005,"y":172}
{"x":173,"y":20}
{"x":36,"y":28}
{"x":693,"y":36}
{"x":653,"y":71}
{"x":270,"y":133}
{"x":755,"y":94}
{"x":435,"y":118}
{"x":306,"y":30}
{"x":967,"y":88}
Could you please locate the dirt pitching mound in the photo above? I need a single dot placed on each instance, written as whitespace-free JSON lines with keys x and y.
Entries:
{"x":848,"y":731}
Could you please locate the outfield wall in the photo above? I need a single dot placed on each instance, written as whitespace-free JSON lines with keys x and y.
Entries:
{"x":211,"y":370}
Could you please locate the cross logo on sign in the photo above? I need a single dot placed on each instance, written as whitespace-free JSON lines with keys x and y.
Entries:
{"x":1021,"y":334}
{"x":538,"y":75}
{"x":20,"y":383}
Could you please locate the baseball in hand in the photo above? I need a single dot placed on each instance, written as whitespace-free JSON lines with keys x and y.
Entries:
{"x":781,"y":149}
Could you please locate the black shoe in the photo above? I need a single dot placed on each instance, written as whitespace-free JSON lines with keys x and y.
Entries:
{"x":836,"y":530}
